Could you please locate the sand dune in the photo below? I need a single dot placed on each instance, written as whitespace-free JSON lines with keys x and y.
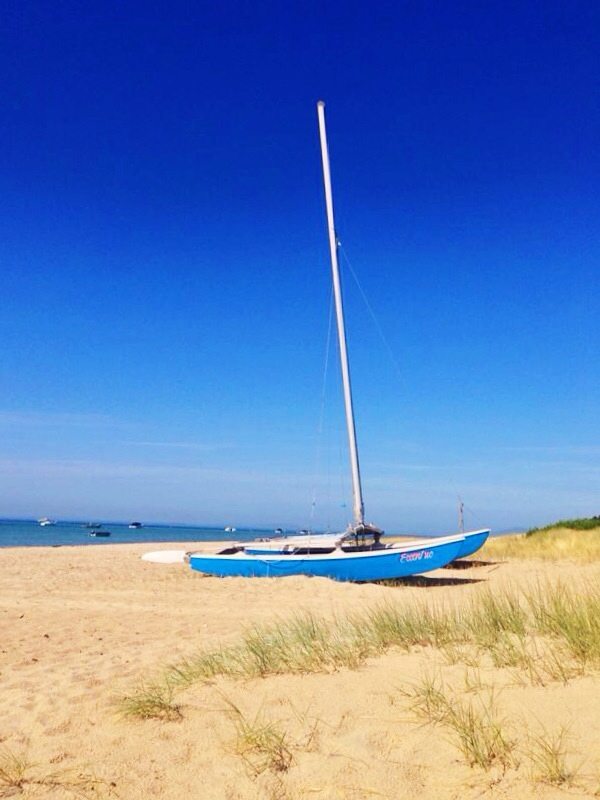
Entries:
{"x":80,"y":626}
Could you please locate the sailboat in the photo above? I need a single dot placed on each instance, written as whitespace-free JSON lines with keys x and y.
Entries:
{"x":357,"y":554}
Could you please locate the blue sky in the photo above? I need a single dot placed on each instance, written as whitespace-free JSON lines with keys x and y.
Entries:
{"x":165,"y":267}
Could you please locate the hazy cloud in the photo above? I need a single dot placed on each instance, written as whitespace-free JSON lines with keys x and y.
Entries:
{"x":53,"y":419}
{"x":553,"y":449}
{"x":83,"y":468}
{"x":202,"y":446}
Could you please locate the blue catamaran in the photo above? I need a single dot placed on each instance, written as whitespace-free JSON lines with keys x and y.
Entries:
{"x":357,"y":554}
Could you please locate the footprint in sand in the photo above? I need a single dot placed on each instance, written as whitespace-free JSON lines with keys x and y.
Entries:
{"x":58,"y":730}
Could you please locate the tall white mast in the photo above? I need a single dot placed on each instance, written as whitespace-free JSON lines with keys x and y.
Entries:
{"x":359,"y":510}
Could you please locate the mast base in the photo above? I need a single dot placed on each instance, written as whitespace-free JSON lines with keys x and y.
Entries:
{"x":364,"y":531}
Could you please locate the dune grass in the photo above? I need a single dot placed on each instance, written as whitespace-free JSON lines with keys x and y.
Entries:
{"x":261,"y":743}
{"x":303,"y":644}
{"x":571,"y":617}
{"x":151,"y":701}
{"x":550,"y":633}
{"x":483,"y":737}
{"x":15,"y":772}
{"x":580,"y":524}
{"x":550,"y":544}
{"x":18,"y":776}
{"x":548,"y":755}
{"x":474,"y":725}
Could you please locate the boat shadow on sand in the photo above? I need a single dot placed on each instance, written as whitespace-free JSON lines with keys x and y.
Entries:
{"x":425,"y":582}
{"x":463,"y":563}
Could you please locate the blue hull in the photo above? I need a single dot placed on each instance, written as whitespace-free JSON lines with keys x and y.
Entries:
{"x":472,"y":542}
{"x":370,"y":566}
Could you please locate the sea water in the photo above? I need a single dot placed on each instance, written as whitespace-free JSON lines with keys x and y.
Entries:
{"x":29,"y":533}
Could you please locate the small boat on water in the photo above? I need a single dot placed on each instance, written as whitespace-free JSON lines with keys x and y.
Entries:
{"x":135,"y":525}
{"x":92,"y":525}
{"x":357,"y":554}
{"x":44,"y":522}
{"x":230,"y":529}
{"x":98,"y":533}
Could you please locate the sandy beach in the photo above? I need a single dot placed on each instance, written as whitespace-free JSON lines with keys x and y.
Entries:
{"x":81,"y":626}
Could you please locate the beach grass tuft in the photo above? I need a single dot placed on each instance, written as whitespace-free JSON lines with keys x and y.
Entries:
{"x":405,"y":626}
{"x":18,"y":776}
{"x":14,"y":772}
{"x":548,"y":755}
{"x":570,"y":616}
{"x":261,"y":743}
{"x":151,"y":701}
{"x":427,"y":700}
{"x":492,"y":615}
{"x":474,"y":725}
{"x":480,"y":734}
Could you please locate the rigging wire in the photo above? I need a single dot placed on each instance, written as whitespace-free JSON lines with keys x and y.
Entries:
{"x":388,"y":347}
{"x":475,"y":516}
{"x":393,"y":359}
{"x":376,"y":322}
